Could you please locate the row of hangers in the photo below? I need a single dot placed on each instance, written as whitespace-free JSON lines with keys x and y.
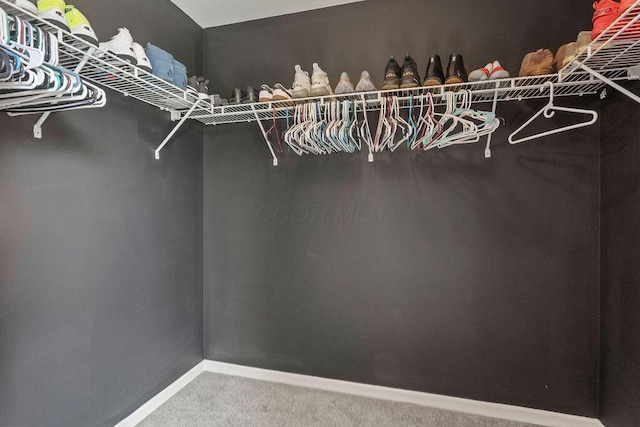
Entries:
{"x":327,"y":127}
{"x":31,"y":80}
{"x":344,"y":126}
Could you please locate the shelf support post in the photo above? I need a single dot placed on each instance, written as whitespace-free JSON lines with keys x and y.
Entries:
{"x":37,"y":128}
{"x":176,"y":128}
{"x":264,"y":135}
{"x":487,"y":151}
{"x":611,"y":83}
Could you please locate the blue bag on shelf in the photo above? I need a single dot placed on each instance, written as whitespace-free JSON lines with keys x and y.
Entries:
{"x":161,"y":61}
{"x":179,"y":75}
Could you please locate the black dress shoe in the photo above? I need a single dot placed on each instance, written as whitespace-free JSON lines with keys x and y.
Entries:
{"x":236,"y":97}
{"x":251,"y":96}
{"x":434,"y":75}
{"x":392,"y":75}
{"x":410,"y":76}
{"x":456,"y":73}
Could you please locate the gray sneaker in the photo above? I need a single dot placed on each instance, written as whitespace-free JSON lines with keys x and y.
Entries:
{"x":365,"y":84}
{"x":345,"y":86}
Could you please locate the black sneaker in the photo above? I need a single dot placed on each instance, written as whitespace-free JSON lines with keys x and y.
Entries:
{"x":392,"y":75}
{"x":410,"y":76}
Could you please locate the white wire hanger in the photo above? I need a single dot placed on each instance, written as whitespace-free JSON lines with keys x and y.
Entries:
{"x":548,"y":111}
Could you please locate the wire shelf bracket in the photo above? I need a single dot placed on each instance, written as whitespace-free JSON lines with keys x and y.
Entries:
{"x":37,"y":128}
{"x":609,"y":60}
{"x":617,"y":47}
{"x":179,"y":125}
{"x":264,"y":134}
{"x":611,"y":83}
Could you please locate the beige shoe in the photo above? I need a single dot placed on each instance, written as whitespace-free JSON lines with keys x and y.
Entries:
{"x":538,"y":63}
{"x":558,"y":61}
{"x":584,"y":40}
{"x":570,"y":54}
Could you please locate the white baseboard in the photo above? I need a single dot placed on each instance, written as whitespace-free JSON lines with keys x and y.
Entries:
{"x":145,"y":410}
{"x":494,"y":410}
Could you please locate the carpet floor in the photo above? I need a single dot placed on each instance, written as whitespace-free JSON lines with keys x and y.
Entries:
{"x":221,"y":400}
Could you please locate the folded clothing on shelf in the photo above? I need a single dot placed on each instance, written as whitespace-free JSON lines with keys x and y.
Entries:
{"x":166,"y":67}
{"x":179,"y":74}
{"x":161,"y":61}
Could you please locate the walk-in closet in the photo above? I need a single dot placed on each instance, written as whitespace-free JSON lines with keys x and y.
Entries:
{"x":319,"y":213}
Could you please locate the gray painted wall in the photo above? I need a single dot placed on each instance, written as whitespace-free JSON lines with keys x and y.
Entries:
{"x":100,"y":247}
{"x":441,"y":272}
{"x":620,"y":367}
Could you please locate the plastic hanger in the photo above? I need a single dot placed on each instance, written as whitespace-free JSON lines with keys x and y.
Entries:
{"x":548,"y":111}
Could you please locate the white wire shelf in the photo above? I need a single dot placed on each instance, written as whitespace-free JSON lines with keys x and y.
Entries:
{"x":113,"y":73}
{"x":515,"y":89}
{"x":612,"y":58}
{"x":618,"y":47}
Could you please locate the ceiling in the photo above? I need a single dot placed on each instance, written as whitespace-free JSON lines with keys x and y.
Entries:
{"x":213,"y":13}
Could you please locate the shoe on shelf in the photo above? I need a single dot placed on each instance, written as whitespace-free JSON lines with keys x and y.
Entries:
{"x":583,"y":41}
{"x":203,"y":86}
{"x":236,"y":97}
{"x":280,"y":93}
{"x":344,"y":86}
{"x":192,"y":83}
{"x":320,"y":85}
{"x":392,"y":75}
{"x":365,"y":84}
{"x":570,"y":53}
{"x":141,"y":57}
{"x":481,"y":74}
{"x":79,"y":24}
{"x":498,"y":72}
{"x":266,"y":94}
{"x":198,"y":84}
{"x":53,"y":12}
{"x":538,"y":63}
{"x":434,"y":75}
{"x":410,"y":78}
{"x":301,"y":87}
{"x":456,"y":73}
{"x":633,"y":32}
{"x":250,"y":96}
{"x":625,"y":5}
{"x":121,"y":45}
{"x":606,"y":12}
{"x":558,"y":60}
{"x":216,"y":100}
{"x":30,"y":6}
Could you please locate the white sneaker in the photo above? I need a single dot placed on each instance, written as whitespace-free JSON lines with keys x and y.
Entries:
{"x":301,"y":84}
{"x":26,"y":5}
{"x":53,"y":11}
{"x":365,"y":84}
{"x":320,"y":85}
{"x":280,"y":93}
{"x":344,"y":86}
{"x":141,"y":57}
{"x":121,"y":45}
{"x":266,"y":94}
{"x":481,"y":74}
{"x":498,"y":72}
